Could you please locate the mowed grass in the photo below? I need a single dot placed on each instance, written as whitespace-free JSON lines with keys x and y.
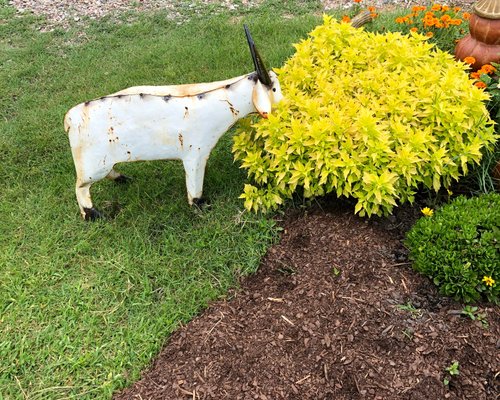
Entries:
{"x":84,"y":307}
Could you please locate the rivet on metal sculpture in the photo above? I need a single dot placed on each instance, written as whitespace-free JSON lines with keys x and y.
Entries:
{"x":182,"y":122}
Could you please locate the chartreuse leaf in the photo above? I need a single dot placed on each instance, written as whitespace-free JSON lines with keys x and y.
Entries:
{"x":365,"y":115}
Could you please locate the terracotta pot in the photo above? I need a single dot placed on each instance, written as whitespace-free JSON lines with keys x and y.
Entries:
{"x":483,"y":53}
{"x":485,"y":30}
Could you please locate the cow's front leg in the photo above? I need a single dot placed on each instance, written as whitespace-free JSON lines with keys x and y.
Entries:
{"x":89,"y":213}
{"x":195,"y":173}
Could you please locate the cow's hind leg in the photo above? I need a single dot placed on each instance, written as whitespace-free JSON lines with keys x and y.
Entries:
{"x":117,"y":177}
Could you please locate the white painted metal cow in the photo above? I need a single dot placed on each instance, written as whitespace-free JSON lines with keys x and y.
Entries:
{"x":182,"y":122}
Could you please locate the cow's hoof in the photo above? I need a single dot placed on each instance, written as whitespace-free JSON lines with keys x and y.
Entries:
{"x":202,"y":203}
{"x":122,"y":179}
{"x":91,"y":214}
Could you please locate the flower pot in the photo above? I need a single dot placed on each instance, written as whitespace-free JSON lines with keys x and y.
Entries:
{"x":483,"y":53}
{"x":485,"y":30}
{"x":483,"y":42}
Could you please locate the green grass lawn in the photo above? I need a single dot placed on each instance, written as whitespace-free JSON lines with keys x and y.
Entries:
{"x":85,"y":306}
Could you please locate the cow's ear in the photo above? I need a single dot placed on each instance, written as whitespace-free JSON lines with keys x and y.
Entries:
{"x":261,"y":100}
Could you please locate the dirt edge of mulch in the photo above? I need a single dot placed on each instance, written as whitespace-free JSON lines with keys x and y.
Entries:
{"x":334,"y":312}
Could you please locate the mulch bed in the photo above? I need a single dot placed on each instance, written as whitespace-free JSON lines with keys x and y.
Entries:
{"x":322,"y":319}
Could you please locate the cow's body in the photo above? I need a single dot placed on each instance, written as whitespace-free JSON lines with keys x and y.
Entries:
{"x":181,"y":122}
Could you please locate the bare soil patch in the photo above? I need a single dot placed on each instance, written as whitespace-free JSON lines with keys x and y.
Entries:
{"x":334,"y":312}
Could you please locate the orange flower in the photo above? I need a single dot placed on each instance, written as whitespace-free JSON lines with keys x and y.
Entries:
{"x":466,"y":16}
{"x":429,"y":22}
{"x":436,"y":7}
{"x":475,"y":75}
{"x":487,"y":69}
{"x":480,"y":85}
{"x":346,"y":18}
{"x":357,"y":1}
{"x":445,"y":18}
{"x":445,"y":8}
{"x":429,"y":34}
{"x":400,"y":20}
{"x":457,"y":9}
{"x":414,"y":29}
{"x":469,"y":60}
{"x":373,"y":15}
{"x":371,"y":9}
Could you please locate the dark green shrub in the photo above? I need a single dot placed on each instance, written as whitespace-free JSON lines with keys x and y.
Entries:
{"x":459,"y":248}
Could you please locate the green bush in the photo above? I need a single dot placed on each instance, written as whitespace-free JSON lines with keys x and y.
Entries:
{"x":365,"y":115}
{"x":459,"y":248}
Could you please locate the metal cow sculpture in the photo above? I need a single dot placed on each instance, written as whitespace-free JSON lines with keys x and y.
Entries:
{"x":182,"y":122}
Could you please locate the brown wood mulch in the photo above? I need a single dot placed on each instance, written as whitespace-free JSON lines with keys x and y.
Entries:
{"x":334,"y":312}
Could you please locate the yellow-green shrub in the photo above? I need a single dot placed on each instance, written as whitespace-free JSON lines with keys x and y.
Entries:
{"x":365,"y":115}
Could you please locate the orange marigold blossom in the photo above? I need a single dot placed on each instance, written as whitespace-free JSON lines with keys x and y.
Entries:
{"x":357,"y":1}
{"x":429,"y":22}
{"x":399,"y":20}
{"x":466,"y":16}
{"x":414,"y":29}
{"x":417,"y":9}
{"x":445,"y":18}
{"x":487,"y":69}
{"x":436,"y":7}
{"x":457,"y":9}
{"x":445,"y":8}
{"x":475,"y":75}
{"x":346,"y":18}
{"x":429,"y":34}
{"x":480,"y":85}
{"x":371,"y":9}
{"x":373,"y":15}
{"x":469,"y":60}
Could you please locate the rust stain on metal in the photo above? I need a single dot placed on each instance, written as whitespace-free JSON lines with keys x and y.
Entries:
{"x":186,"y":90}
{"x":233,"y":110}
{"x":112,"y":138}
